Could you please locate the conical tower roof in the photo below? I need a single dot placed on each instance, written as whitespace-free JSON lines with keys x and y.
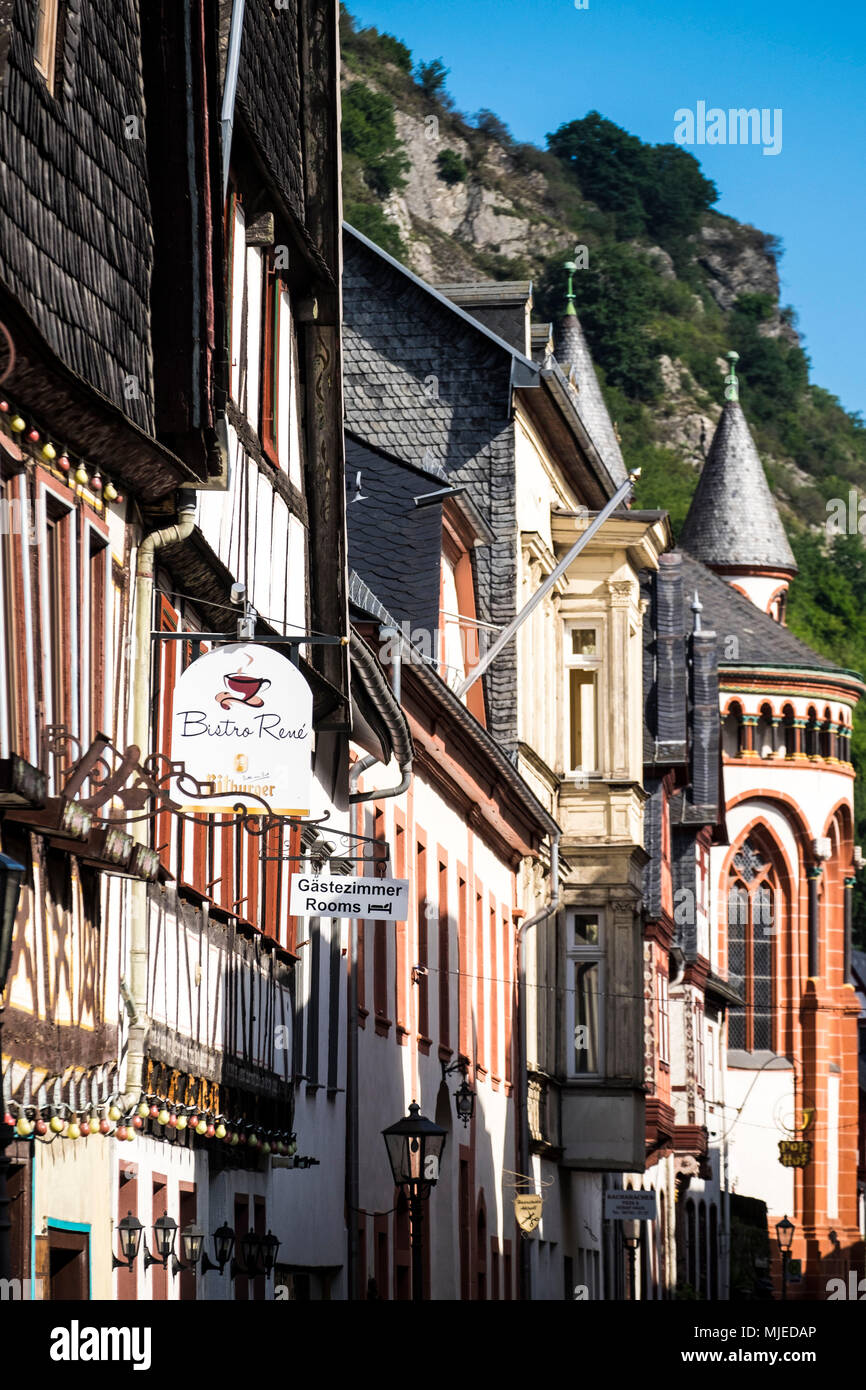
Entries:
{"x":733,"y":519}
{"x":572,"y":353}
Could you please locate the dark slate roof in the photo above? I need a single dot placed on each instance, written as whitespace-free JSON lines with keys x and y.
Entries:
{"x":733,"y":519}
{"x":269,"y":92}
{"x":75,"y":241}
{"x":728,"y":613}
{"x":426,"y":383}
{"x":394,"y":546}
{"x":573,"y":355}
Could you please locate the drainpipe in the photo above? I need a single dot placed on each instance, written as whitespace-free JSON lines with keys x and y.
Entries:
{"x":137,"y":986}
{"x":522,"y":1079}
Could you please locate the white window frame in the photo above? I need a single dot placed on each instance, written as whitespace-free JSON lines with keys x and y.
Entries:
{"x":574,"y":956}
{"x":595,"y":665}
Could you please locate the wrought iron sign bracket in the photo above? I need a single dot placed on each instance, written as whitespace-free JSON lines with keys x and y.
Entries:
{"x":293,"y":643}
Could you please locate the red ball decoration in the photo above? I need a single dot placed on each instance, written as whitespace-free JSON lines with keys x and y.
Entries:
{"x":4,"y":406}
{"x":41,"y":1127}
{"x":33,"y":436}
{"x":137,"y":1121}
{"x":193,"y":1121}
{"x":96,"y":483}
{"x":210,"y":1131}
{"x":120,"y":1132}
{"x":63,"y":464}
{"x":172,"y":1120}
{"x":154,"y":1111}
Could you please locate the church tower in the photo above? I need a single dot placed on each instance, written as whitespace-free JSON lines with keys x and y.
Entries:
{"x":733,"y":525}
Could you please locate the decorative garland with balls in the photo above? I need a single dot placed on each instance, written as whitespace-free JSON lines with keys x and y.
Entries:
{"x":48,"y":452}
{"x":62,"y":1122}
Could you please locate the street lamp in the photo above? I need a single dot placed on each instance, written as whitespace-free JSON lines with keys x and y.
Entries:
{"x":192,"y":1248}
{"x":415,"y":1146}
{"x":464,"y":1102}
{"x":464,"y":1096}
{"x":784,"y":1235}
{"x":270,"y":1246}
{"x":164,"y":1232}
{"x":223,"y":1245}
{"x":11,"y":877}
{"x":129,"y":1234}
{"x":631,"y":1241}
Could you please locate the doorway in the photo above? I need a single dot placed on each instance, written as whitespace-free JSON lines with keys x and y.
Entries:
{"x":68,"y":1265}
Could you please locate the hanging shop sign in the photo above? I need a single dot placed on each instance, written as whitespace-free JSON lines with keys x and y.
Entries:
{"x":795,"y":1153}
{"x":242,"y":719}
{"x":630,"y":1206}
{"x":326,"y":895}
{"x":527,"y":1210}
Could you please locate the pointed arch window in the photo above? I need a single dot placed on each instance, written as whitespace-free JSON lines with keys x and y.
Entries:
{"x":752,"y":898}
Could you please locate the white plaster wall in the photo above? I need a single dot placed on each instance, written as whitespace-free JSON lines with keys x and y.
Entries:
{"x":755,"y":1102}
{"x":386,"y":1074}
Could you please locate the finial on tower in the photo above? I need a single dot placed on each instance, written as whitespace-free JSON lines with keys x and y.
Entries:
{"x":732,"y":385}
{"x":697,"y":609}
{"x":571,"y":267}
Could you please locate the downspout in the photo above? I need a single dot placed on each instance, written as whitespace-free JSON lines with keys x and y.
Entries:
{"x":137,"y":985}
{"x":353,"y":1159}
{"x":522,"y":1079}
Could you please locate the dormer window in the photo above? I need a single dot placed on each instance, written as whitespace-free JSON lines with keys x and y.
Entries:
{"x":778,"y":606}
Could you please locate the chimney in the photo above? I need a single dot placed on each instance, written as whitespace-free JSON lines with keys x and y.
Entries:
{"x":670,"y":661}
{"x":502,"y":306}
{"x":705,"y":724}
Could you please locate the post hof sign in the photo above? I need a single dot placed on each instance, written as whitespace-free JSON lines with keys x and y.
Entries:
{"x":527,"y":1210}
{"x":242,"y":718}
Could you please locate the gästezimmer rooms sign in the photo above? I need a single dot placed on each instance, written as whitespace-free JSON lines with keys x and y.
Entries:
{"x":242,"y":718}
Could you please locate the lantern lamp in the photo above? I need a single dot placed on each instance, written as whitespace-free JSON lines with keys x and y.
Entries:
{"x":415,"y":1146}
{"x":129,"y":1234}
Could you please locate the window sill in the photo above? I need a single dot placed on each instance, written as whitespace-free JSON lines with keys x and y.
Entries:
{"x":383,"y":1026}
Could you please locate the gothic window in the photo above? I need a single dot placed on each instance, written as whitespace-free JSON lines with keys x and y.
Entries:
{"x":752,"y":897}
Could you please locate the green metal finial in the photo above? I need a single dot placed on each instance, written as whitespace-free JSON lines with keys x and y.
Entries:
{"x":571,"y":267}
{"x":732,"y":385}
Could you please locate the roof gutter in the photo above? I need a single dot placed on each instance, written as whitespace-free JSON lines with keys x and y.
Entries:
{"x":387,"y":699}
{"x":233,"y":62}
{"x":554,"y":379}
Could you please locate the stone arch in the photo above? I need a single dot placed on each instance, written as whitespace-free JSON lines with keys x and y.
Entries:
{"x":789,"y":958}
{"x":732,"y":729}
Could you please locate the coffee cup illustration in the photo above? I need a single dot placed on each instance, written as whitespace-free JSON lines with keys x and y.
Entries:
{"x":243,"y":689}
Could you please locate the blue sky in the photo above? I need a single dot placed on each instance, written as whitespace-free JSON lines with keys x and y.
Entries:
{"x":541,"y":63}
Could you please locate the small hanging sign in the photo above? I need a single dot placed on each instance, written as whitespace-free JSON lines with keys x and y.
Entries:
{"x":328,"y":895}
{"x":527,"y":1210}
{"x":242,"y":718}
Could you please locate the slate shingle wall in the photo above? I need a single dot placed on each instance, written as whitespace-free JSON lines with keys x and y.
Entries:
{"x":269,"y":92}
{"x":394,"y":545}
{"x":422,"y":384}
{"x":75,"y":239}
